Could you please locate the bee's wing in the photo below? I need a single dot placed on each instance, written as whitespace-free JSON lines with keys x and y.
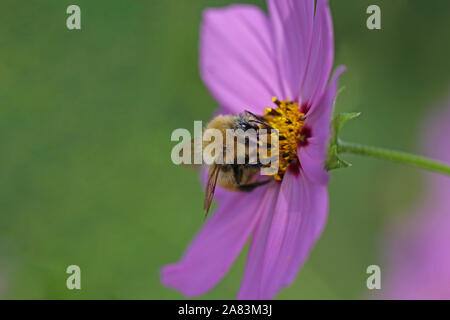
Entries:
{"x":210,"y":187}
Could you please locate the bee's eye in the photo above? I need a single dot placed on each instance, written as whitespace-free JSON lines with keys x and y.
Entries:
{"x":247,"y":126}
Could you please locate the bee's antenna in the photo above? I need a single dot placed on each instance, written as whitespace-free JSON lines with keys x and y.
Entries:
{"x":257,"y":119}
{"x":262,"y":122}
{"x":252,"y":114}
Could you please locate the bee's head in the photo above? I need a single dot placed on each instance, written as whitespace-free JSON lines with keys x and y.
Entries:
{"x":244,"y":123}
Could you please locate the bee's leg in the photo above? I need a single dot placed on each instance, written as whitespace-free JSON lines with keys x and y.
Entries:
{"x":254,"y":165}
{"x":237,"y":173}
{"x":252,"y":186}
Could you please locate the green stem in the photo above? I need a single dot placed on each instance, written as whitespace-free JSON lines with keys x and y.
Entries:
{"x":396,"y":156}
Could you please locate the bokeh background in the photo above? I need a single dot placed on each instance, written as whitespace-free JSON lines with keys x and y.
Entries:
{"x":85,"y":124}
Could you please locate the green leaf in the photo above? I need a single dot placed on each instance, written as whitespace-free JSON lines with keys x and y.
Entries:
{"x":333,"y":160}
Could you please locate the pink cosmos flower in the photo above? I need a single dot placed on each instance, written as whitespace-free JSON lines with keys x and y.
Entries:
{"x":419,"y":250}
{"x":246,"y":58}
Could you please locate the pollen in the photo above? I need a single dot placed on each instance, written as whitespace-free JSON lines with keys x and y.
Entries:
{"x":288,"y":120}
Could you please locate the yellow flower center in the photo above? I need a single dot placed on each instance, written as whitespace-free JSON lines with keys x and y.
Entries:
{"x":288,"y":120}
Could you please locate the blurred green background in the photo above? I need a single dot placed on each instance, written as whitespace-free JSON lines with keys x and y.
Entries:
{"x":85,"y":124}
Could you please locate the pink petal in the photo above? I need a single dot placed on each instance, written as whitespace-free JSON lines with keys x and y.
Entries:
{"x":313,"y":155}
{"x":434,"y":129}
{"x":321,"y":56}
{"x":283,"y":238}
{"x":418,"y":259}
{"x":236,"y":58}
{"x":251,"y":282}
{"x":292,"y":25}
{"x":219,"y":242}
{"x":435,"y":133}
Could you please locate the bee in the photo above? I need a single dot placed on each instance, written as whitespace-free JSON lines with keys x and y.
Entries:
{"x":234,"y":176}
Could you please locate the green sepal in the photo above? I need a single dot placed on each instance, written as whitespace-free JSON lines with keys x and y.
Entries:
{"x":333,"y":160}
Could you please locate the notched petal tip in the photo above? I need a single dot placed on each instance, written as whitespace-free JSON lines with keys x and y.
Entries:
{"x":237,"y":62}
{"x":218,"y":243}
{"x":172,"y":277}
